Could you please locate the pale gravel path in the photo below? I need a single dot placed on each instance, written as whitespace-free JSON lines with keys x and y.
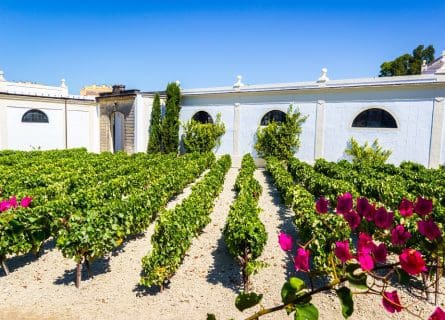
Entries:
{"x":207,"y":281}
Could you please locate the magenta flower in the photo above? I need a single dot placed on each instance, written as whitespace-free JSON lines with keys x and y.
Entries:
{"x":399,"y":235}
{"x":412,"y":262}
{"x":370,"y":213}
{"x":365,"y":243}
{"x":380,"y":252}
{"x":285,"y":241}
{"x":13,"y":202}
{"x":342,"y":251}
{"x":438,"y":314}
{"x":322,"y":205}
{"x":352,"y":218}
{"x":363,"y":207}
{"x":4,"y":205}
{"x":25,"y":202}
{"x":391,"y":301}
{"x":423,"y":206}
{"x":366,"y":261}
{"x":428,"y":229}
{"x":406,"y":208}
{"x":302,"y":260}
{"x":383,"y":219}
{"x":344,"y":203}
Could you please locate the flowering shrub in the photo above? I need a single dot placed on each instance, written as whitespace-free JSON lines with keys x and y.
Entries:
{"x":400,"y":244}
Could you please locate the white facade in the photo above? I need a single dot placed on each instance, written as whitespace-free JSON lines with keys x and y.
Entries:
{"x":72,"y":120}
{"x":416,"y":103}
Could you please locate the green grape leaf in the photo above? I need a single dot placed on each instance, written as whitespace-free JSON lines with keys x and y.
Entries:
{"x":247,"y":300}
{"x":347,"y":304}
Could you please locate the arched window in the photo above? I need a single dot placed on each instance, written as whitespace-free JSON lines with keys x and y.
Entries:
{"x":35,"y":115}
{"x":202,"y":117}
{"x":273,"y":116}
{"x":374,"y":118}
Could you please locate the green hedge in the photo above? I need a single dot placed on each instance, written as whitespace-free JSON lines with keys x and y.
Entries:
{"x":176,"y":228}
{"x":244,"y":233}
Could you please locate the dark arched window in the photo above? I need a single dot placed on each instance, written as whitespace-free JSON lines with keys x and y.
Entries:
{"x":35,"y":115}
{"x":202,"y":117}
{"x":273,"y":116}
{"x":374,"y":118}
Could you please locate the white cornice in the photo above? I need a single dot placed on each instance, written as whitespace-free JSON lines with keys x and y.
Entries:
{"x":331,"y":84}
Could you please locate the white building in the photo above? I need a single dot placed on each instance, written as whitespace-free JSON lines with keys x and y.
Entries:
{"x":406,"y":114}
{"x":35,"y":116}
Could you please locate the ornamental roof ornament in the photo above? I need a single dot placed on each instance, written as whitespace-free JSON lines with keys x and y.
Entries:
{"x":238,"y":84}
{"x":2,"y":76}
{"x":323,"y":77}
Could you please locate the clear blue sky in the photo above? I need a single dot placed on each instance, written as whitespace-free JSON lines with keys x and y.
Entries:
{"x":145,"y":44}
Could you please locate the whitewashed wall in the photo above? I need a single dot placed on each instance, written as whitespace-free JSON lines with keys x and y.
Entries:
{"x":411,"y":107}
{"x":18,"y":135}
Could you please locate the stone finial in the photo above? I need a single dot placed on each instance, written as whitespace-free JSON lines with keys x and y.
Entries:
{"x":2,"y":76}
{"x":63,"y":83}
{"x":238,"y":84}
{"x":178,"y":83}
{"x":323,"y":77}
{"x":424,"y":67}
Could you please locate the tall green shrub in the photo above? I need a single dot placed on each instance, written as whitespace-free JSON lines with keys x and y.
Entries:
{"x":202,"y":137}
{"x":280,"y":140}
{"x":170,"y":123}
{"x":154,"y":142}
{"x":372,"y":155}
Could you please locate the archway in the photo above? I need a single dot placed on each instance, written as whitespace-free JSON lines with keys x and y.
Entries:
{"x":273,"y":116}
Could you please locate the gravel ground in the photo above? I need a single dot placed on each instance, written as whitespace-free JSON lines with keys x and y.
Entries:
{"x":208,"y":280}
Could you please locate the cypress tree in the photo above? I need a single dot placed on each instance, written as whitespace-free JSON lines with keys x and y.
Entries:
{"x":154,"y":142}
{"x":170,"y":123}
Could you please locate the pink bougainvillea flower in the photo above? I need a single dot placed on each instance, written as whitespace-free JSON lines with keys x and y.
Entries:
{"x":13,"y":202}
{"x":366,"y":261}
{"x":412,"y":262}
{"x":344,"y":203}
{"x":4,"y":205}
{"x":399,"y":235}
{"x":423,"y":206}
{"x":438,"y":314}
{"x":391,"y":301}
{"x":370,"y":213}
{"x":25,"y":202}
{"x":428,"y":229}
{"x":406,"y":208}
{"x":302,"y":260}
{"x":365,"y":243}
{"x":380,"y":252}
{"x":363,"y":207}
{"x":285,"y":241}
{"x":383,"y":219}
{"x":322,"y":205}
{"x":353,"y":219}
{"x":342,"y":251}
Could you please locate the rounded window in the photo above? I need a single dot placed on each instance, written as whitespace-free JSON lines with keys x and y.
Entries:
{"x":35,"y":115}
{"x":374,"y":118}
{"x":273,"y":116}
{"x":202,"y":117}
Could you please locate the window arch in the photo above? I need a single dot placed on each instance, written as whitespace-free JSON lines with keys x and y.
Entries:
{"x":273,"y":116}
{"x":35,"y":115}
{"x":202,"y":117}
{"x":374,"y":118}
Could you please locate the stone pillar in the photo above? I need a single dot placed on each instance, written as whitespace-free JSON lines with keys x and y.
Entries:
{"x":3,"y":127}
{"x":436,"y":143}
{"x":319,"y":130}
{"x":236,"y":124}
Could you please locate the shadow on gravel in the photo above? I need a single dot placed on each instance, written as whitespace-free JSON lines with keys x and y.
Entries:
{"x":98,"y":266}
{"x":225,"y":270}
{"x":18,"y":262}
{"x":286,"y":217}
